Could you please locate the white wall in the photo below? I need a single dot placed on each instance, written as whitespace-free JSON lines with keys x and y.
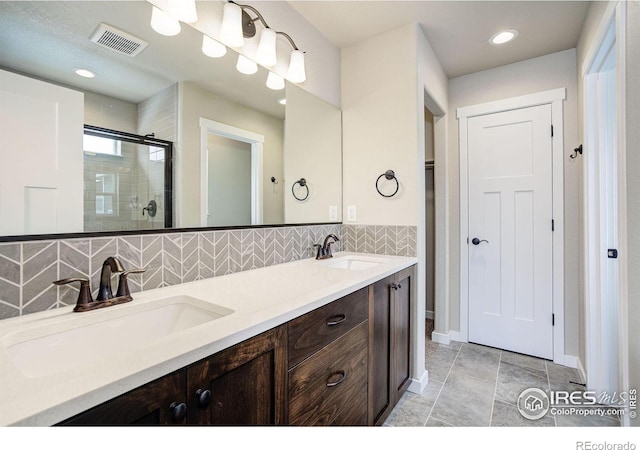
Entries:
{"x":552,"y":71}
{"x":385,"y":81}
{"x":591,"y":23}
{"x":380,"y":127}
{"x":313,"y":151}
{"x":195,"y":103}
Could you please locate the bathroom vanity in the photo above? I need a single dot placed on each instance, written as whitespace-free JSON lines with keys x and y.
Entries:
{"x":302,"y":343}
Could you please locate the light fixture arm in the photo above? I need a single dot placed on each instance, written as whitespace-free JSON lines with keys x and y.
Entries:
{"x":248,"y":23}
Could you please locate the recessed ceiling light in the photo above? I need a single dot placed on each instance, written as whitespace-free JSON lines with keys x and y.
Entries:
{"x":282,"y":101}
{"x":503,"y":37}
{"x":85,"y":73}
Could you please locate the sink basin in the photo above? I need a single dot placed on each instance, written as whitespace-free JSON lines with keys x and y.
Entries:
{"x":62,"y":343}
{"x":355,"y":262}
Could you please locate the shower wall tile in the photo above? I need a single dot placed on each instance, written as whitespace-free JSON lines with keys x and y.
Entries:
{"x":28,"y":269}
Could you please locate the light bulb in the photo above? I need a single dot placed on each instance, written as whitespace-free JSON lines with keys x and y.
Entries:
{"x":267,"y":48}
{"x":231,"y":30}
{"x":246,"y":66}
{"x":275,"y":81}
{"x":212,"y":48}
{"x":296,"y":72}
{"x":164,"y":24}
{"x":184,"y":10}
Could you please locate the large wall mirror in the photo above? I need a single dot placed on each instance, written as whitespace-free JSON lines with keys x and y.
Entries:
{"x":239,"y":148}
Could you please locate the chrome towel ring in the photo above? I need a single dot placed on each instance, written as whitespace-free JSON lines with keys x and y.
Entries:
{"x":303,"y":183}
{"x":389,"y":175}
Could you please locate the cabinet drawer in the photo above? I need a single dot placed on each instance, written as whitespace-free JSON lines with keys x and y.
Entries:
{"x":314,"y":330}
{"x":331,"y":384}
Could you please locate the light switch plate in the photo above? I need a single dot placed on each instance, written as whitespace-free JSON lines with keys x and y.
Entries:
{"x":333,"y":213}
{"x":351,"y":213}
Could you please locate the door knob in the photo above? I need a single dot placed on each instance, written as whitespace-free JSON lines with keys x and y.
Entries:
{"x":476,"y":241}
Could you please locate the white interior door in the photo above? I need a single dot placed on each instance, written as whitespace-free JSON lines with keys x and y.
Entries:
{"x":41,"y":160}
{"x":602,"y":295}
{"x":510,"y":221}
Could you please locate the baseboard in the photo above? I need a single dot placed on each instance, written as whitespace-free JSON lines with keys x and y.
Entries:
{"x":457,"y":336}
{"x":441,"y":338}
{"x":567,"y":361}
{"x":417,"y":386}
{"x":430,"y":314}
{"x":582,"y":372}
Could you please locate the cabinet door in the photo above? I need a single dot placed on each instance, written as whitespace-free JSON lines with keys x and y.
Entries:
{"x":242,"y":385}
{"x":161,"y":402}
{"x":380,"y":401}
{"x":402,"y":293}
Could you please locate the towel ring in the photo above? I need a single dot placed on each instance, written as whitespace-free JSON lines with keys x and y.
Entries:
{"x":389,"y":175}
{"x":303,"y":183}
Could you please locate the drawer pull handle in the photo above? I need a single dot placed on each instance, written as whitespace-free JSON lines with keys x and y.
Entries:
{"x":341,"y":373}
{"x":336,"y":320}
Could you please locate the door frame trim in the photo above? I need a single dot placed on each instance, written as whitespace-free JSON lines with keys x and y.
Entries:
{"x":208,"y":126}
{"x":555,"y":98}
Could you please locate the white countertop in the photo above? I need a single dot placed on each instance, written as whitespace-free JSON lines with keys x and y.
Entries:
{"x":261,"y":299}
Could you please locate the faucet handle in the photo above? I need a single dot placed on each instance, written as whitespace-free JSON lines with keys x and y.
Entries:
{"x":84,"y":295}
{"x":123,"y":284}
{"x":319,"y":250}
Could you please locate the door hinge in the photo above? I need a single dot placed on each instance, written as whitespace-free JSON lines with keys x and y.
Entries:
{"x":612,"y":253}
{"x":553,"y":320}
{"x":553,"y":225}
{"x":551,"y":130}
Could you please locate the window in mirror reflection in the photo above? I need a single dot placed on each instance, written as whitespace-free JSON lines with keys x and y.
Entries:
{"x":100,"y":145}
{"x":105,"y":194}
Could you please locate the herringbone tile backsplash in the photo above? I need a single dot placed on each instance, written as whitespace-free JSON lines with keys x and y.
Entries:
{"x":27,"y":269}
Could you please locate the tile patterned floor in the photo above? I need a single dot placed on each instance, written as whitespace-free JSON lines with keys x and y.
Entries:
{"x":475,"y":386}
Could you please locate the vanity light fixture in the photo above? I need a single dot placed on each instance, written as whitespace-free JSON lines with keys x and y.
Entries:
{"x":84,"y":73}
{"x":212,"y":48}
{"x":183,"y":10}
{"x":231,"y":29}
{"x":163,"y":23}
{"x":275,"y":81}
{"x":237,"y":25}
{"x":246,"y":66}
{"x":503,"y":37}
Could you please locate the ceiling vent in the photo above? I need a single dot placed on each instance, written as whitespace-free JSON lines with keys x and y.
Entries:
{"x":117,"y":40}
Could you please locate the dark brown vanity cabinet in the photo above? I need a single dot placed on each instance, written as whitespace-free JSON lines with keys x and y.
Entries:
{"x":242,"y":385}
{"x":160,"y":402}
{"x":390,"y":342}
{"x":328,"y":350}
{"x":345,"y":363}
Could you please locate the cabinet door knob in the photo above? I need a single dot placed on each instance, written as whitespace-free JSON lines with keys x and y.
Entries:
{"x":178,"y":411}
{"x":204,"y":398}
{"x":341,"y":374}
{"x":335,"y":320}
{"x":396,"y":286}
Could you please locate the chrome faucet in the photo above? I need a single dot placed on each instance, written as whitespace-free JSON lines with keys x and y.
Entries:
{"x":110,"y":265}
{"x":324,"y":250}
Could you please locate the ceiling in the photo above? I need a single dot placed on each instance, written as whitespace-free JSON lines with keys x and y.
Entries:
{"x":458,"y":31}
{"x":48,"y":39}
